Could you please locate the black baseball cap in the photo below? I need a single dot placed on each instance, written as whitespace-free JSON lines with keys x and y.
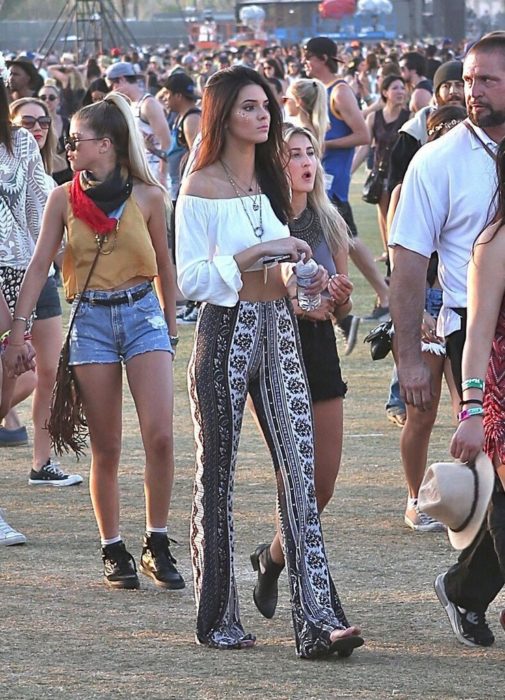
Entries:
{"x":180,"y":83}
{"x":323,"y":46}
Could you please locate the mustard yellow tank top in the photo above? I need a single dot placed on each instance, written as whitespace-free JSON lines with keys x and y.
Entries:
{"x":127,"y":253}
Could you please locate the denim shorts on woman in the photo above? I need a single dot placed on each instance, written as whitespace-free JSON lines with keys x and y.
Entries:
{"x":48,"y":305}
{"x":109,"y":334}
{"x":433,"y":301}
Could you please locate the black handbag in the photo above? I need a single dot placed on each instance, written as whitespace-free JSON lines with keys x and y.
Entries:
{"x":374,"y":186}
{"x":381,"y":340}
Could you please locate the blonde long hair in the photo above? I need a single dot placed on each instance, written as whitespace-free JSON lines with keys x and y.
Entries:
{"x":310,"y":94}
{"x":112,"y":117}
{"x":48,"y":150}
{"x":335,"y":230}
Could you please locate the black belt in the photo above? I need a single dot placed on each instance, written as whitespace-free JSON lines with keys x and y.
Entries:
{"x":122,"y":298}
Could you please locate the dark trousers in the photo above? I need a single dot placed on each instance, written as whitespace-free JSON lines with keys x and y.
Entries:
{"x":479,"y":574}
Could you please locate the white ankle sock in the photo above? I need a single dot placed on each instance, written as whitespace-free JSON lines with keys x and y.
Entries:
{"x":411,"y":503}
{"x":111,"y":540}
{"x":162,"y":530}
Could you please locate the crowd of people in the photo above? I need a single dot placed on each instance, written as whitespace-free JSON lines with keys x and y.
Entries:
{"x":184,"y":187}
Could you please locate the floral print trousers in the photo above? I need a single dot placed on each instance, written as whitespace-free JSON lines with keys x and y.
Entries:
{"x":254,"y":348}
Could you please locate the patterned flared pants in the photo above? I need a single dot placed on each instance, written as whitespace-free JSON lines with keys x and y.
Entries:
{"x":254,"y":348}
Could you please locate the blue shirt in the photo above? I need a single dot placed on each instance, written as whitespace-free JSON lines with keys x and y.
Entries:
{"x":338,"y":161}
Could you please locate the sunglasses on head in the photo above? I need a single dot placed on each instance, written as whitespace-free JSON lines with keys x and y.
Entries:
{"x":51,"y":98}
{"x":29,"y":122}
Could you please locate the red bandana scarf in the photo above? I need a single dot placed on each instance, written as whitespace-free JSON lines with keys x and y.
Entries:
{"x":87,"y":210}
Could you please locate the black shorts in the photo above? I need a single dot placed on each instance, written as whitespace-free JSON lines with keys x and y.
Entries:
{"x":346,"y":213}
{"x":320,"y":356}
{"x":454,"y":344}
{"x":48,"y":305}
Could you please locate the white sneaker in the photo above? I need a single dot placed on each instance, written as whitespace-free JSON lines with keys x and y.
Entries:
{"x":8,"y":535}
{"x":422,"y":522}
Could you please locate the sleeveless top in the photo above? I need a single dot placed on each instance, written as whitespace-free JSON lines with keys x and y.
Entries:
{"x":143,"y":126}
{"x":127,"y":253}
{"x":178,"y":149}
{"x":337,"y":162}
{"x":385,"y":134}
{"x":308,"y":228}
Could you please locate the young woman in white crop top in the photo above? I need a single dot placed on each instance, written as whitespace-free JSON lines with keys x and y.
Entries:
{"x":231,"y":217}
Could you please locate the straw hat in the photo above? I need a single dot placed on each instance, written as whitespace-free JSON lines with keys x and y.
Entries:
{"x":458,"y":495}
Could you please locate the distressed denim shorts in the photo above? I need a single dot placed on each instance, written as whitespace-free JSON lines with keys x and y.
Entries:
{"x":108,"y":334}
{"x":433,"y":301}
{"x":48,"y":304}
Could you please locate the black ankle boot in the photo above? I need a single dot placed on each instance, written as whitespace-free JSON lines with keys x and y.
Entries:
{"x":265,"y":591}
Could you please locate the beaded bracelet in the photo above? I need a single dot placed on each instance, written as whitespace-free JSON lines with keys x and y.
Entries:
{"x":473,"y":383}
{"x":477,"y":401}
{"x":469,"y":412}
{"x":4,"y":341}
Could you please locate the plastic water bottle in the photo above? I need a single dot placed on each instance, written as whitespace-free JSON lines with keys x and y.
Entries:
{"x":305,"y":271}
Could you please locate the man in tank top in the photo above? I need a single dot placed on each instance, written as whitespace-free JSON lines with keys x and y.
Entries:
{"x":413,"y":67}
{"x":148,"y":113}
{"x":347,"y":130}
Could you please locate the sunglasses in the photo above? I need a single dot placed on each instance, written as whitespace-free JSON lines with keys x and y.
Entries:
{"x":51,"y":98}
{"x":29,"y":122}
{"x":71,"y":142}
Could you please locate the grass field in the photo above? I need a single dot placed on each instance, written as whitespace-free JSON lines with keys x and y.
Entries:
{"x":64,"y":636}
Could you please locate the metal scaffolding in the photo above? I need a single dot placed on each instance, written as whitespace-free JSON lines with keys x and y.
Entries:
{"x":88,"y":27}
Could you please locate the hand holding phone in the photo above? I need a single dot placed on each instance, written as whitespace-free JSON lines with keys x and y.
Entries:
{"x":285,"y":257}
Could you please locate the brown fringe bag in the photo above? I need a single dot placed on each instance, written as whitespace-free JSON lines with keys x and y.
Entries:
{"x":67,"y":424}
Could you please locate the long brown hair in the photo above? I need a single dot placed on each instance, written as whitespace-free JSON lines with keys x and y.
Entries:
{"x":5,"y":121}
{"x":496,"y":210}
{"x":219,"y":96}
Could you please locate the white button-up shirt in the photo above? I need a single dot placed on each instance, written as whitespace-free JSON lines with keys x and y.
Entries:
{"x":445,"y":203}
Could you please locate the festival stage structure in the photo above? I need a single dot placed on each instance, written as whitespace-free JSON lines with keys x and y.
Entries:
{"x":88,"y":27}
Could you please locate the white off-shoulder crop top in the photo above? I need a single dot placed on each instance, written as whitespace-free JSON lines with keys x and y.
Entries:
{"x":208,"y":233}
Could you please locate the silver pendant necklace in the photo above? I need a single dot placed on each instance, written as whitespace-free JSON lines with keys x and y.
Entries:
{"x":256,"y":204}
{"x":253,"y":196}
